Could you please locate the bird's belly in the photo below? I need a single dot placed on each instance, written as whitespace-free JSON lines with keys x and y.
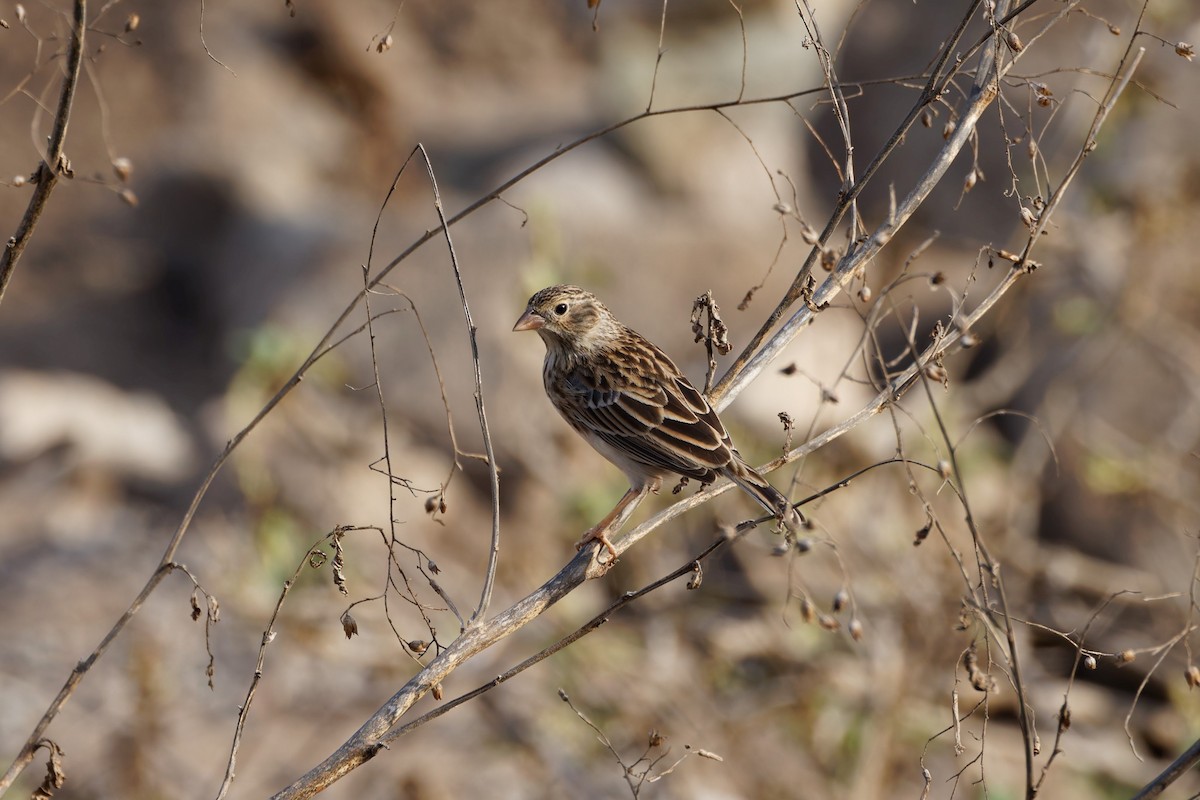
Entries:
{"x":639,"y":474}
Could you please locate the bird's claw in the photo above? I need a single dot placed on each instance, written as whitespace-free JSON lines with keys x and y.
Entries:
{"x":600,"y":536}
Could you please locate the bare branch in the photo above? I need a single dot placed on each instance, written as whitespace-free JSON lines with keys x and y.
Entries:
{"x":48,"y":171}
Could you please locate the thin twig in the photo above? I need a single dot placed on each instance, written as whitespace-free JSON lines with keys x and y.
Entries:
{"x":48,"y":170}
{"x":1064,"y":714}
{"x":485,"y":596}
{"x":204,"y":44}
{"x":662,"y":32}
{"x":268,"y":637}
{"x":841,"y":111}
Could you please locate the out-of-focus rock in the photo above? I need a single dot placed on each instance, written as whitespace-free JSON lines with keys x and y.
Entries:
{"x":133,"y":434}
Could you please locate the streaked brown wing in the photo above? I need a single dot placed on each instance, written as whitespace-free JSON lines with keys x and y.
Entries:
{"x":643,"y":406}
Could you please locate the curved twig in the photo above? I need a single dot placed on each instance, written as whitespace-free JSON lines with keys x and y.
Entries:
{"x":485,"y":596}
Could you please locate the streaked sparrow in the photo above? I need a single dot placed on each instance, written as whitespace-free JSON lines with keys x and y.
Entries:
{"x":632,"y":404}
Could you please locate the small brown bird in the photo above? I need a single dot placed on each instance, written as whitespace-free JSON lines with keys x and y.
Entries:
{"x":630,"y":402}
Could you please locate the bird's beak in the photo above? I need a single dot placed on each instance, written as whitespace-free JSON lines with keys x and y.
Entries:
{"x":530,"y":321}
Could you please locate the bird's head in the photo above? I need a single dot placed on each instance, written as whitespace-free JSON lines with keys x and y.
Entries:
{"x":567,"y":316}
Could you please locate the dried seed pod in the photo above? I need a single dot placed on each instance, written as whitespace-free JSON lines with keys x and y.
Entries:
{"x":1192,"y":676}
{"x":349,"y":625}
{"x":856,"y":630}
{"x":435,"y":504}
{"x":1089,"y":662}
{"x":864,"y":293}
{"x":1126,"y":656}
{"x":923,"y":533}
{"x":980,"y":680}
{"x":808,"y":610}
{"x":840,"y":599}
{"x":122,"y":168}
{"x":1185,"y":50}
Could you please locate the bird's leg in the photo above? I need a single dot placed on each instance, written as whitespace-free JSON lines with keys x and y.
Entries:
{"x":599,"y":531}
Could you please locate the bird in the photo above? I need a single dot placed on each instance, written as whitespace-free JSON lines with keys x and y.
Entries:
{"x":629,"y":401}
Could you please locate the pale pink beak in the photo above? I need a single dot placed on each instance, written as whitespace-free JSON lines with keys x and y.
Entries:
{"x":530,"y":321}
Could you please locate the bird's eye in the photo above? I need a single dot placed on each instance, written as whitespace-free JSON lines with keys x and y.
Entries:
{"x":560,"y":309}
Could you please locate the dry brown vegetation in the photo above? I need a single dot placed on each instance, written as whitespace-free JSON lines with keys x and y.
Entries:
{"x":284,"y":506}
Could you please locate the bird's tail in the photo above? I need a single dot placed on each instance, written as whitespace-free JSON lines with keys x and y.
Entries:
{"x":767,"y":495}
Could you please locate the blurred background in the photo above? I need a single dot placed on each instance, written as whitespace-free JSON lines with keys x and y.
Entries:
{"x":153,"y":316}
